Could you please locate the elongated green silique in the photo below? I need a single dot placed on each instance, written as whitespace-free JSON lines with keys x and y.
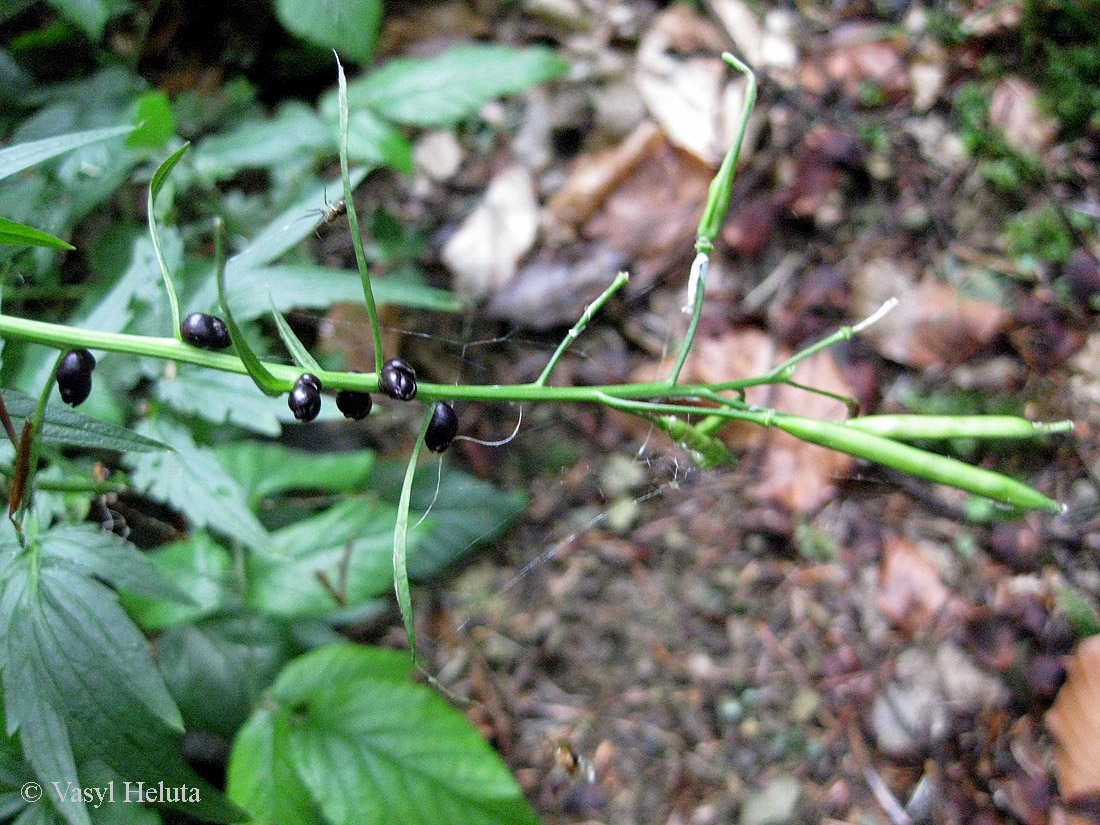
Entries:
{"x":921,"y":463}
{"x":927,"y":427}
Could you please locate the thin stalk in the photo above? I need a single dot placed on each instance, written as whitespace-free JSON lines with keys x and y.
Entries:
{"x":36,"y":430}
{"x":842,"y":334}
{"x":578,"y":327}
{"x":353,"y":220}
{"x":697,"y":282}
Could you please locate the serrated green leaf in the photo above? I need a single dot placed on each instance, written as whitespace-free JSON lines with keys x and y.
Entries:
{"x":96,"y":552}
{"x":217,"y":669}
{"x":74,"y":429}
{"x":374,"y":749}
{"x":265,"y":470}
{"x":191,"y":480}
{"x":17,"y":234}
{"x":350,"y":545}
{"x":25,"y":155}
{"x":221,"y":397}
{"x":465,"y":513}
{"x":292,"y":343}
{"x":348,"y":26}
{"x":198,"y":565}
{"x":79,"y":683}
{"x":441,"y":91}
{"x":261,"y":777}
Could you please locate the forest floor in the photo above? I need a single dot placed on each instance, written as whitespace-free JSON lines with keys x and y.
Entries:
{"x":797,"y":637}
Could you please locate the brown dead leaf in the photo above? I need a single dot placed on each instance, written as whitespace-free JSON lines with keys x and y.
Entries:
{"x":856,"y":60}
{"x":910,"y":592}
{"x":932,"y":326}
{"x":686,"y":86}
{"x":1014,"y":107}
{"x":485,"y":250}
{"x":1074,"y":722}
{"x":593,"y":177}
{"x":652,"y":215}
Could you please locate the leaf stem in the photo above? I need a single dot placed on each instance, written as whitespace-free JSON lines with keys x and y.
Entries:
{"x":843,"y":334}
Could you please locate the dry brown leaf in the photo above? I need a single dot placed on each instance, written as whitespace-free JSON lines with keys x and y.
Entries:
{"x":1014,"y":107}
{"x":652,"y":215}
{"x":932,"y":326}
{"x":1074,"y":722}
{"x":857,"y":60}
{"x":593,"y":177}
{"x":684,"y":83}
{"x":910,"y":591}
{"x":485,"y":250}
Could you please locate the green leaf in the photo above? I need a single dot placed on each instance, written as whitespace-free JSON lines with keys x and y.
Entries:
{"x":79,"y":684}
{"x":372,"y":747}
{"x":401,"y":541}
{"x":25,"y":155}
{"x":261,"y":776}
{"x":308,"y":286}
{"x":374,"y":141}
{"x":191,"y":480}
{"x":284,"y":232}
{"x":90,"y":16}
{"x":17,"y":234}
{"x":94,"y":552}
{"x":465,"y":513}
{"x":292,"y":343}
{"x":155,"y":186}
{"x":348,"y":26}
{"x":295,"y":135}
{"x":221,"y":397}
{"x":443,"y":90}
{"x":217,"y":670}
{"x":265,"y":470}
{"x":267,"y":383}
{"x":155,"y":121}
{"x":73,"y":429}
{"x":349,"y":544}
{"x":199,"y":566}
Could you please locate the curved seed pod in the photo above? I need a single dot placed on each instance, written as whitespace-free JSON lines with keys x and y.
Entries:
{"x":921,"y":463}
{"x":442,"y":429}
{"x":913,"y":427}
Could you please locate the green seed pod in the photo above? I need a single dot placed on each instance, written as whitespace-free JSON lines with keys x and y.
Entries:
{"x":913,"y":427}
{"x":921,"y":463}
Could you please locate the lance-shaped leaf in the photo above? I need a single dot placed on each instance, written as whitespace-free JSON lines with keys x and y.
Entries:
{"x":74,"y":429}
{"x":155,"y":186}
{"x":17,"y":234}
{"x":25,"y":155}
{"x":293,"y":344}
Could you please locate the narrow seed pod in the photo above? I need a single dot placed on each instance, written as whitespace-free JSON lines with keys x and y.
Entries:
{"x":913,"y":427}
{"x":442,"y":429}
{"x":305,"y":398}
{"x":74,"y":376}
{"x":354,"y":404}
{"x":398,"y":380}
{"x":205,"y":331}
{"x":932,"y":466}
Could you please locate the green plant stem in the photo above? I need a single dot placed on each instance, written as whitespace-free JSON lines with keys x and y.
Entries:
{"x":36,"y":432}
{"x":60,"y":336}
{"x":785,"y":369}
{"x":353,"y":220}
{"x":578,"y":327}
